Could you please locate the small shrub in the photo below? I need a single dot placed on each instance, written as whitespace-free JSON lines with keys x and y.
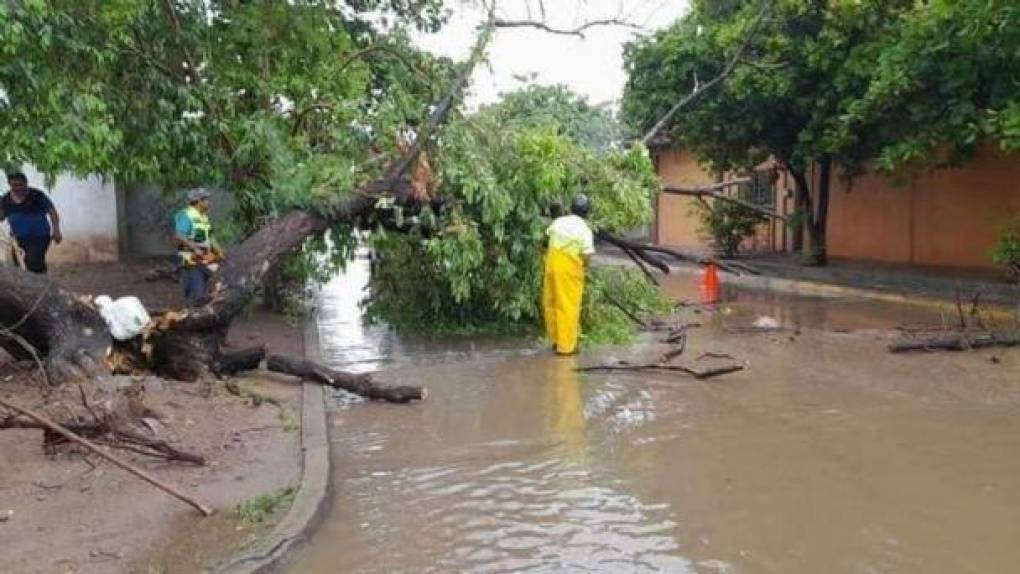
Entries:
{"x":1007,"y":251}
{"x":258,"y":509}
{"x":726,"y":225}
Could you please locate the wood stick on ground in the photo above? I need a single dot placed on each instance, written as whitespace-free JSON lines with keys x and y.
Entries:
{"x":54,"y":427}
{"x":359,"y":384}
{"x":697,"y":374}
{"x":157,"y":447}
{"x":711,"y":355}
{"x":102,"y":434}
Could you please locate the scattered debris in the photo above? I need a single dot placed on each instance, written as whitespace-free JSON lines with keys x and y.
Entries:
{"x":766,"y":323}
{"x":54,"y":427}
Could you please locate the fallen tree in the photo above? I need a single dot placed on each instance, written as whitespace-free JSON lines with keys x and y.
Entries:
{"x":44,"y":320}
{"x":64,"y":332}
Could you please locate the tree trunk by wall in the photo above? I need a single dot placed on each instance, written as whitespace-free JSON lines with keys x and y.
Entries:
{"x":819,"y":221}
{"x":802,"y":205}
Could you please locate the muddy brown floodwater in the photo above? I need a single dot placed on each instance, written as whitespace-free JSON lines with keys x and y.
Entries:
{"x":826,"y":455}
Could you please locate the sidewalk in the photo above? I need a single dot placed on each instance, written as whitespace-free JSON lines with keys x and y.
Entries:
{"x":906,"y":281}
{"x":888,"y":282}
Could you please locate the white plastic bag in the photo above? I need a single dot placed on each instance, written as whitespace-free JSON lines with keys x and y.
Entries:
{"x":766,"y":323}
{"x":126,"y":317}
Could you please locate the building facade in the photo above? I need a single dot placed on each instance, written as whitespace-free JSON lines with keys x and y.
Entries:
{"x":948,"y":217}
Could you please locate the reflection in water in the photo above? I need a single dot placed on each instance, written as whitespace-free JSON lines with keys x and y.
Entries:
{"x":565,"y":407}
{"x":344,"y":340}
{"x":826,"y":455}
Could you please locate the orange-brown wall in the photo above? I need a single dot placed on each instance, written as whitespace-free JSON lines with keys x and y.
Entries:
{"x":677,"y":222}
{"x":947,"y":217}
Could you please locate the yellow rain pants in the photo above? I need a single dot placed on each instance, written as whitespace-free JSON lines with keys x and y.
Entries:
{"x":562,"y":288}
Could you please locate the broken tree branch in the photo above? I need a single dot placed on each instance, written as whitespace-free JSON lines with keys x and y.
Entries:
{"x":641,"y":265}
{"x":630,"y":314}
{"x":642,"y":250}
{"x":696,"y":373}
{"x":54,"y":427}
{"x":576,"y":31}
{"x":701,"y":89}
{"x":715,"y":192}
{"x":633,"y":250}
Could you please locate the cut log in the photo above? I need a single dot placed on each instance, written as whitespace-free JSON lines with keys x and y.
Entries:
{"x":956,"y":342}
{"x":358,"y":383}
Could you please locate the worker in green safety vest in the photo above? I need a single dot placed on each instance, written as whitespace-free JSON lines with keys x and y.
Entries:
{"x":198,"y":252}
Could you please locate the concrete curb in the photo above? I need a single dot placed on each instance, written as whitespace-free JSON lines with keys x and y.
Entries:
{"x":313,"y":495}
{"x":310,"y":502}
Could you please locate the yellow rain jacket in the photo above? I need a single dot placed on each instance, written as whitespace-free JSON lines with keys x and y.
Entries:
{"x":570,"y":241}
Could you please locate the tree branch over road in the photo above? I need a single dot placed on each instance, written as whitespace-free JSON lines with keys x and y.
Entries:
{"x":700,"y":89}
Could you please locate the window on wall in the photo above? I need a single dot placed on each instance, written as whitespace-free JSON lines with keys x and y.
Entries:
{"x":760,"y":190}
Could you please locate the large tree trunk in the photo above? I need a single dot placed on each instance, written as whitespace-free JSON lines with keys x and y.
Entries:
{"x":818,"y":254}
{"x":802,"y":205}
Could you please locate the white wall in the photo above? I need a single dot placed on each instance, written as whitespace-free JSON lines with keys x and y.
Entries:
{"x":88,"y":216}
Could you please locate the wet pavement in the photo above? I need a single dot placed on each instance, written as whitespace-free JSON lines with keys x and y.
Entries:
{"x":826,"y":454}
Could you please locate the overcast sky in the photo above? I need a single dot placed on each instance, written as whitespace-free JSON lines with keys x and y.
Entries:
{"x":592,"y":66}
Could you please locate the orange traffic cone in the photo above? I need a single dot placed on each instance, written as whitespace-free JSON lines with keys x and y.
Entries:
{"x":710,"y":286}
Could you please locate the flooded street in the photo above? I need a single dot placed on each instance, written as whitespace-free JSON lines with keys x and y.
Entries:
{"x":825,"y":455}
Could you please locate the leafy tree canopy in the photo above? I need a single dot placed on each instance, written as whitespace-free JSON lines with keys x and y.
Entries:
{"x":292,"y":97}
{"x":501,"y":174}
{"x":946,"y":77}
{"x":571,"y":115}
{"x":845,"y":84}
{"x":852,"y":81}
{"x":291,"y":105}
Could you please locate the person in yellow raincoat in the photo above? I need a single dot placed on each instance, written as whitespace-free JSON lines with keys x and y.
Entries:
{"x":571,"y":244}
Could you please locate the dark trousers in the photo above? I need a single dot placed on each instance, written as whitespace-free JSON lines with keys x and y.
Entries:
{"x":35,"y":249}
{"x":195,"y":280}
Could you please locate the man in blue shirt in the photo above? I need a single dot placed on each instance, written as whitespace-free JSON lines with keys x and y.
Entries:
{"x":33,"y":220}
